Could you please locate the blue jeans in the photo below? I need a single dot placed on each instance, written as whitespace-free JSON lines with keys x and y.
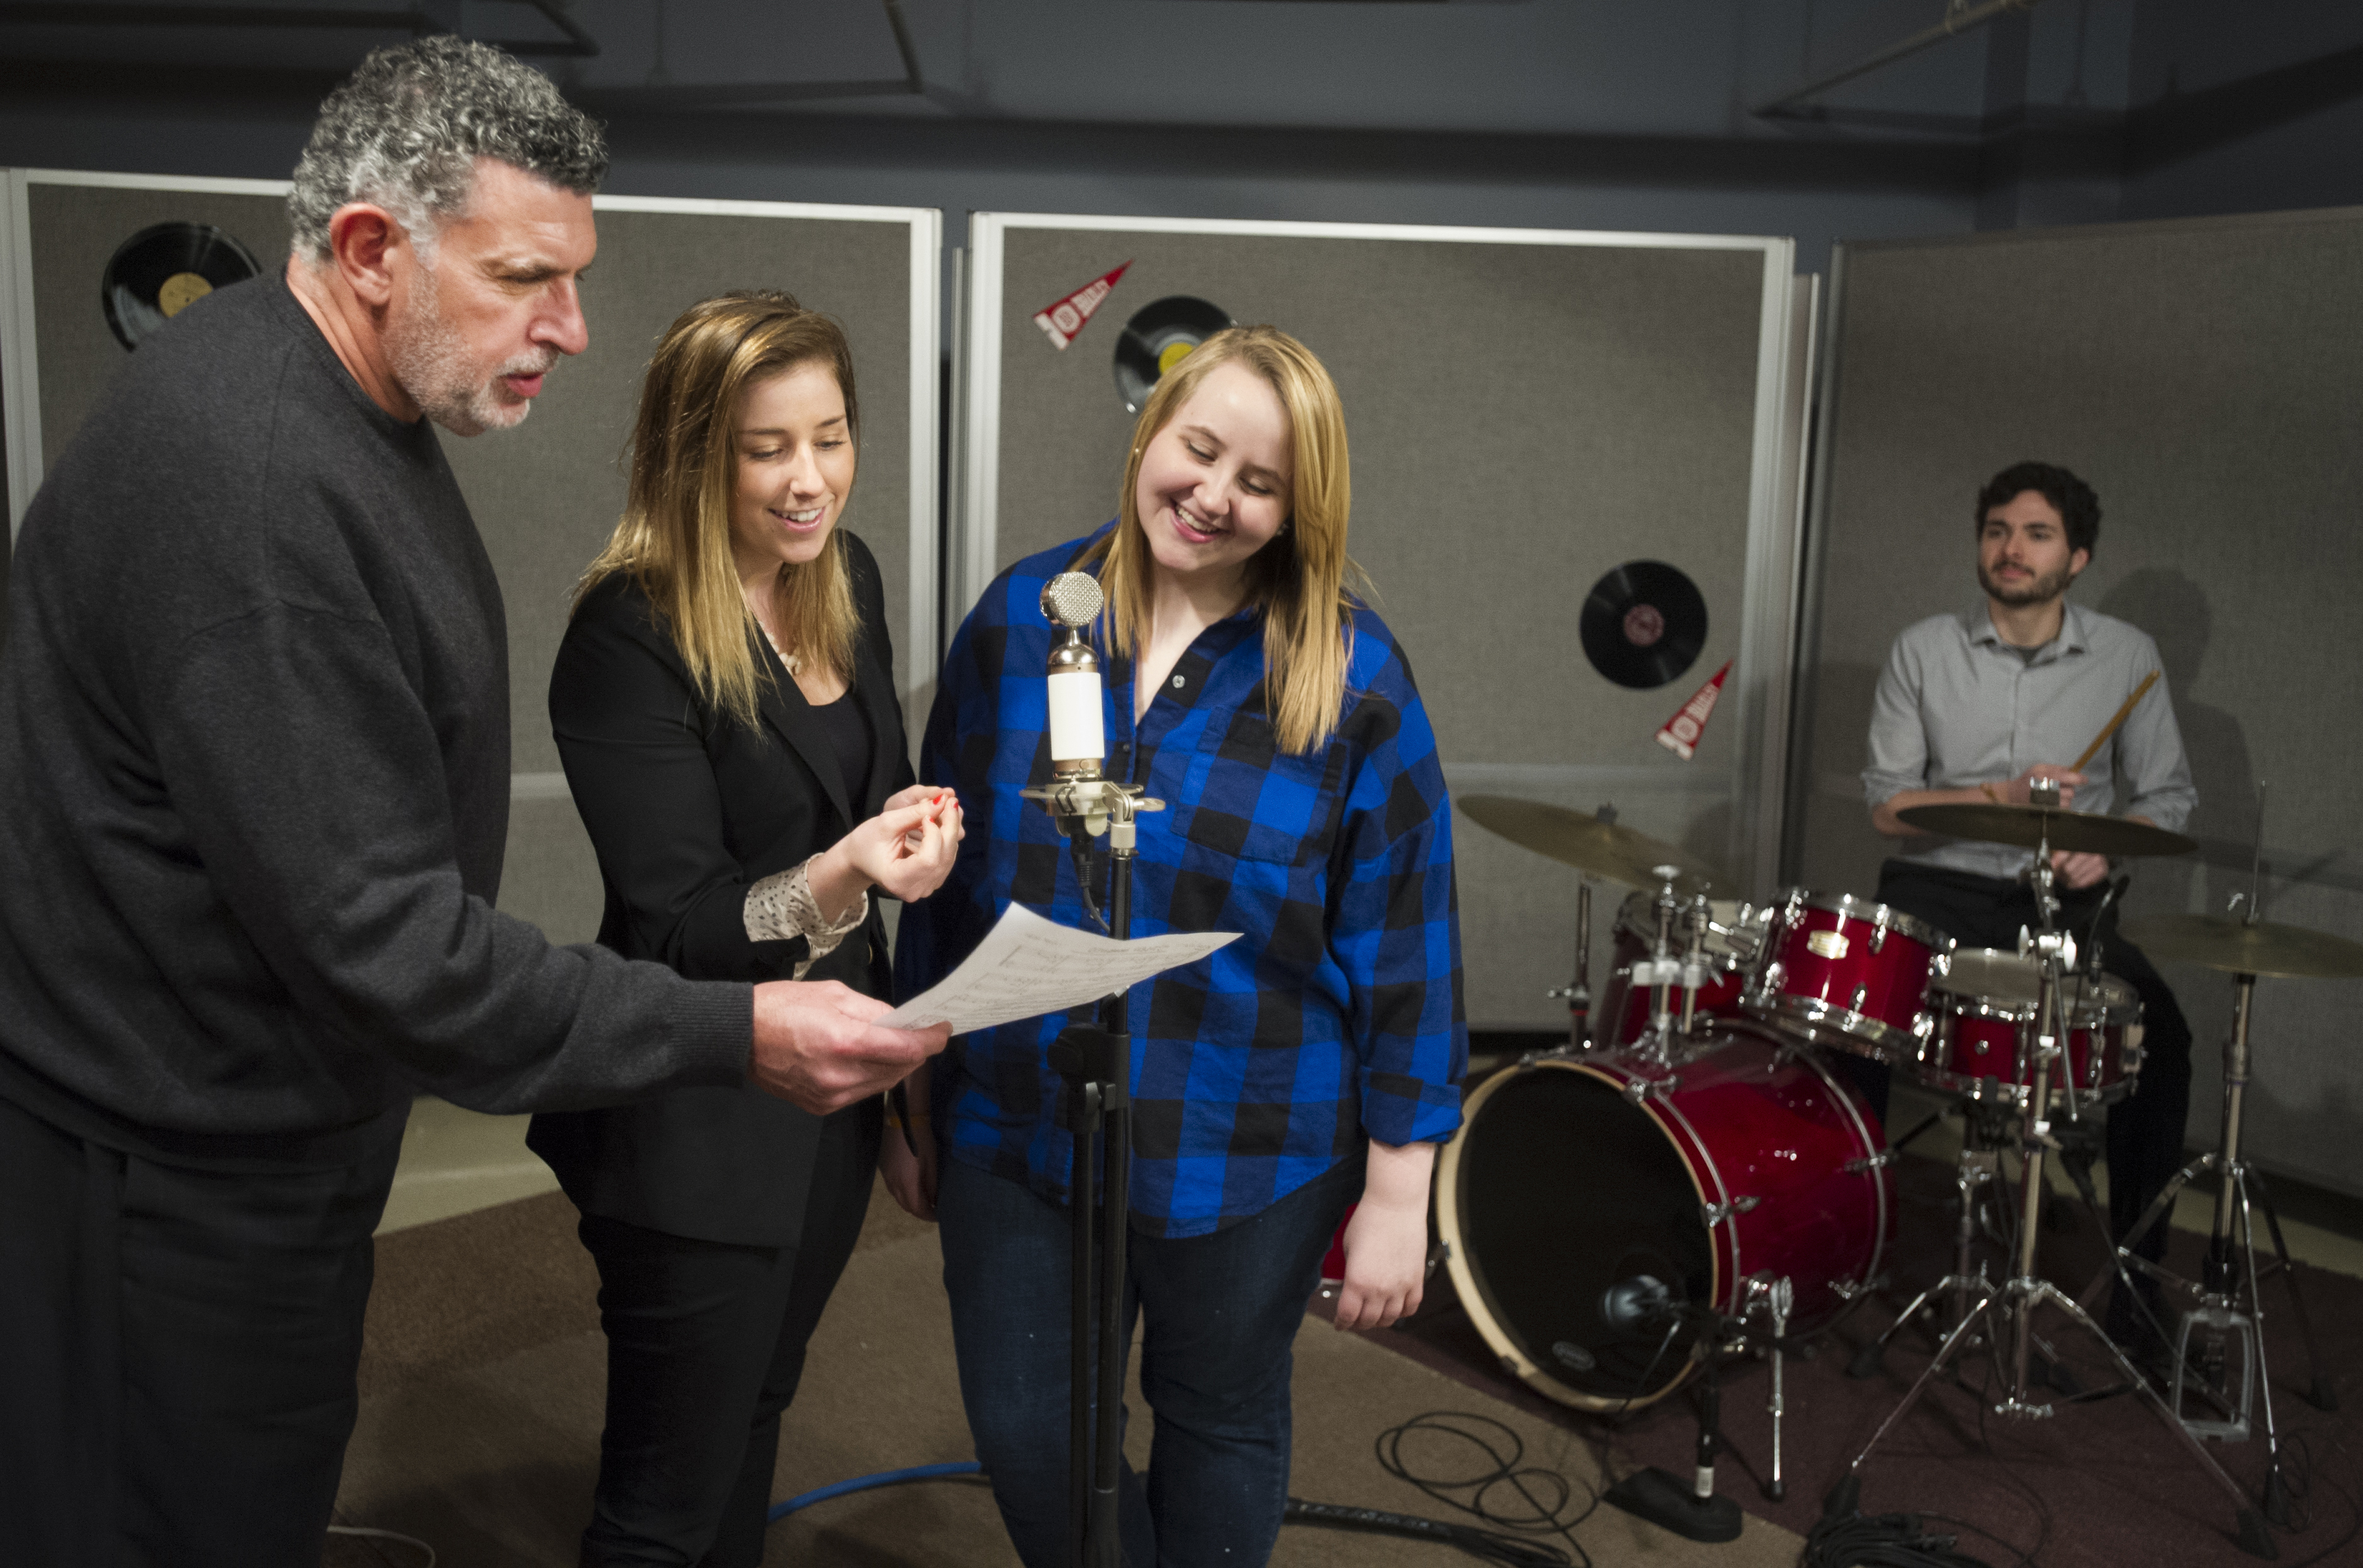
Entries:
{"x":1222,"y":1314}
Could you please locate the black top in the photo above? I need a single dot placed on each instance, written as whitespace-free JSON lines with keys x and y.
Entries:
{"x":848,"y":736}
{"x":688,"y":808}
{"x":254,"y":782}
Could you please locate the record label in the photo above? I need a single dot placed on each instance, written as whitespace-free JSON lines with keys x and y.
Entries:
{"x":1643,"y":624}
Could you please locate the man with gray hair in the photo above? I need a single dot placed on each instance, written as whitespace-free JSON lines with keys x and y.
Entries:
{"x":254,"y":776}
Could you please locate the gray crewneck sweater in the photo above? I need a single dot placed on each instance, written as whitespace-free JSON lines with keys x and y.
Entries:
{"x":254,"y":783}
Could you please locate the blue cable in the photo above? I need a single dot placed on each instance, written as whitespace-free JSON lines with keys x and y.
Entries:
{"x":864,"y":1482}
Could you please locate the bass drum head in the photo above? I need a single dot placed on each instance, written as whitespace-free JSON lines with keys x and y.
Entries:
{"x":1556,"y":1188}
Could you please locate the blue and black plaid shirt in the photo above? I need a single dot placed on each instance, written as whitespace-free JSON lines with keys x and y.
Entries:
{"x":1338,"y":1013}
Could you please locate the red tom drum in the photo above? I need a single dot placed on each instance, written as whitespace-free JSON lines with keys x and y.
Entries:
{"x":1745,"y":1161}
{"x":1846,"y":973}
{"x":1984,"y":1002}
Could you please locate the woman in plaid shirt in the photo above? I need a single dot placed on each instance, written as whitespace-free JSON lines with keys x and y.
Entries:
{"x":1314,"y":1062}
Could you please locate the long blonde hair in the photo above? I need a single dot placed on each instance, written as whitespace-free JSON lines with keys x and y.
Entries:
{"x":1300,"y":578}
{"x":674,"y":534}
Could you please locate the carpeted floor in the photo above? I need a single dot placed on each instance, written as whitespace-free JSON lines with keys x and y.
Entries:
{"x":482,"y":1385}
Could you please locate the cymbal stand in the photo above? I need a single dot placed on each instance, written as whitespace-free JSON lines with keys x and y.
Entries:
{"x":2009,"y":1307}
{"x":2217,"y":1316}
{"x":1577,"y":992}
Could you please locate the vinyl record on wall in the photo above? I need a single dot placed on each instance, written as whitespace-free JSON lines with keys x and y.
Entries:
{"x":161,"y":271}
{"x":1159,"y":337}
{"x":1644,"y":624}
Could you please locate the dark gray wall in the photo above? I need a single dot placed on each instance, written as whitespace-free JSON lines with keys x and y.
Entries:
{"x":2205,"y":378}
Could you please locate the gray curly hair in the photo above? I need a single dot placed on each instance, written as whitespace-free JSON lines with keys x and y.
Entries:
{"x":404,"y":131}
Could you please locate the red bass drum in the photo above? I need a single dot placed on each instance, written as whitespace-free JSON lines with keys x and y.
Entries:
{"x":1746,"y":1161}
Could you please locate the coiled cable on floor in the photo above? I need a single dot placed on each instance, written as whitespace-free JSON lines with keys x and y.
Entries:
{"x":1549,"y":1499}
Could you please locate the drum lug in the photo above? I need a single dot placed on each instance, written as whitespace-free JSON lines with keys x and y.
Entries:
{"x":1879,"y":930}
{"x":1861,"y":995}
{"x":1639,"y":1089}
{"x":1862,"y":1163}
{"x":1847,"y":1289}
{"x":1716,"y":1214}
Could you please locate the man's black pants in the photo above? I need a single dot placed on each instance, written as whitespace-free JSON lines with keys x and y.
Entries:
{"x":177,"y":1350}
{"x":2146,"y":1130}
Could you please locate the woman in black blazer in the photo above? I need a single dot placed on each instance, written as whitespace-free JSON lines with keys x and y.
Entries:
{"x":724,"y":702}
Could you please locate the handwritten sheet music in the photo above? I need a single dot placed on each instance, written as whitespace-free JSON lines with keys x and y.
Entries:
{"x":1028,"y":966}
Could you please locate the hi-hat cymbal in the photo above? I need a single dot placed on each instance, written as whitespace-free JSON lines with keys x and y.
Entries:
{"x":2215,"y":941}
{"x":2079,"y":832}
{"x":1585,"y":842}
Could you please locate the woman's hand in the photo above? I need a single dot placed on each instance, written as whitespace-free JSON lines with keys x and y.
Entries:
{"x":905,"y":850}
{"x":910,"y":1177}
{"x":1386,"y":1242}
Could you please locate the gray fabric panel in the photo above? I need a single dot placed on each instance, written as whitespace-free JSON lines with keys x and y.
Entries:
{"x":74,"y":229}
{"x":1524,"y":417}
{"x":551,"y":875}
{"x":2205,"y":379}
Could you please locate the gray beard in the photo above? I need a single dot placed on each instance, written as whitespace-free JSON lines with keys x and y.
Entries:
{"x":430,"y":362}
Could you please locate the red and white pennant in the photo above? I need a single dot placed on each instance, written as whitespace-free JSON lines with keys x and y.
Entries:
{"x":1066,"y":318}
{"x":1680,"y":733}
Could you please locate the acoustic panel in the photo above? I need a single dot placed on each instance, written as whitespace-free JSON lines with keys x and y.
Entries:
{"x":1526,"y":410}
{"x":546,"y":494}
{"x":2204,"y":378}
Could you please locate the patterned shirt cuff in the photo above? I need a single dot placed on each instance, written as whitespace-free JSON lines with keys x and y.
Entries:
{"x":782,"y":907}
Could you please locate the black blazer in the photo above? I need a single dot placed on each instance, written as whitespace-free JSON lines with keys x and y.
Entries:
{"x":688,"y":808}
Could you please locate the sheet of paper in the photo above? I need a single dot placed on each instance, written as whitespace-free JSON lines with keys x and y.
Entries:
{"x":1028,"y":966}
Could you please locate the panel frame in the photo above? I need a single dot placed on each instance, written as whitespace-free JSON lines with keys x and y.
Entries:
{"x":1763,"y":672}
{"x":21,"y":385}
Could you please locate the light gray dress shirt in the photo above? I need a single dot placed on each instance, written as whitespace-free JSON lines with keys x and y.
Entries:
{"x":1957,"y":707}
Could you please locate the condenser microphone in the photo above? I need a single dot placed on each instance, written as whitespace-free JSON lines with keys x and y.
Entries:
{"x":1072,"y":600}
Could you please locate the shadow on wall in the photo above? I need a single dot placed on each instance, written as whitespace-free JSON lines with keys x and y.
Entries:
{"x":2174,"y":610}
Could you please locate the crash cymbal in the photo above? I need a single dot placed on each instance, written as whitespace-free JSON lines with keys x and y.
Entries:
{"x":1585,"y":842}
{"x":2079,"y":832}
{"x":2215,"y":941}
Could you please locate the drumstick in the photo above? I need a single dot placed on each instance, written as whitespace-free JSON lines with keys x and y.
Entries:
{"x":2111,"y":727}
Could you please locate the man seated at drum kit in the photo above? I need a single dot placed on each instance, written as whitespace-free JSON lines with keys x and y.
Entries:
{"x":1979,"y":707}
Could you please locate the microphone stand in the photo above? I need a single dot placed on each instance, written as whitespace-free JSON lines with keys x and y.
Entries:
{"x":1095,"y":1061}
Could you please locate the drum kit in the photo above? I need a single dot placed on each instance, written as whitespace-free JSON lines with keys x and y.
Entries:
{"x":1711,"y":1185}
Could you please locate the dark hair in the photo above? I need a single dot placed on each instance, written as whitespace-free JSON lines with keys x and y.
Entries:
{"x":2076,"y":502}
{"x":405,"y":128}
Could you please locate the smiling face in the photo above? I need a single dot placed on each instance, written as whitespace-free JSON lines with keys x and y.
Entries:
{"x":792,"y":469}
{"x":1214,"y":481}
{"x":2023,"y":554}
{"x":479,"y":317}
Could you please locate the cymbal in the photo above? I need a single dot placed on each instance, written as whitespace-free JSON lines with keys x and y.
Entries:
{"x":2083,"y":832}
{"x":2215,"y":941}
{"x":1585,"y":842}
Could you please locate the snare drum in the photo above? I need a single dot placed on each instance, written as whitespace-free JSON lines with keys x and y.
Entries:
{"x":1983,"y":1001}
{"x":1621,"y":1014}
{"x":1846,"y":973}
{"x":1745,"y":1161}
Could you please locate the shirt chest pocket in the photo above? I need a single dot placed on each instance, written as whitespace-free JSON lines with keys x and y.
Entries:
{"x":1245,"y":797}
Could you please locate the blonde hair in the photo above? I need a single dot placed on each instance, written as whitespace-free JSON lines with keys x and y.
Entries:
{"x":1300,"y":577}
{"x":674,"y":536}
